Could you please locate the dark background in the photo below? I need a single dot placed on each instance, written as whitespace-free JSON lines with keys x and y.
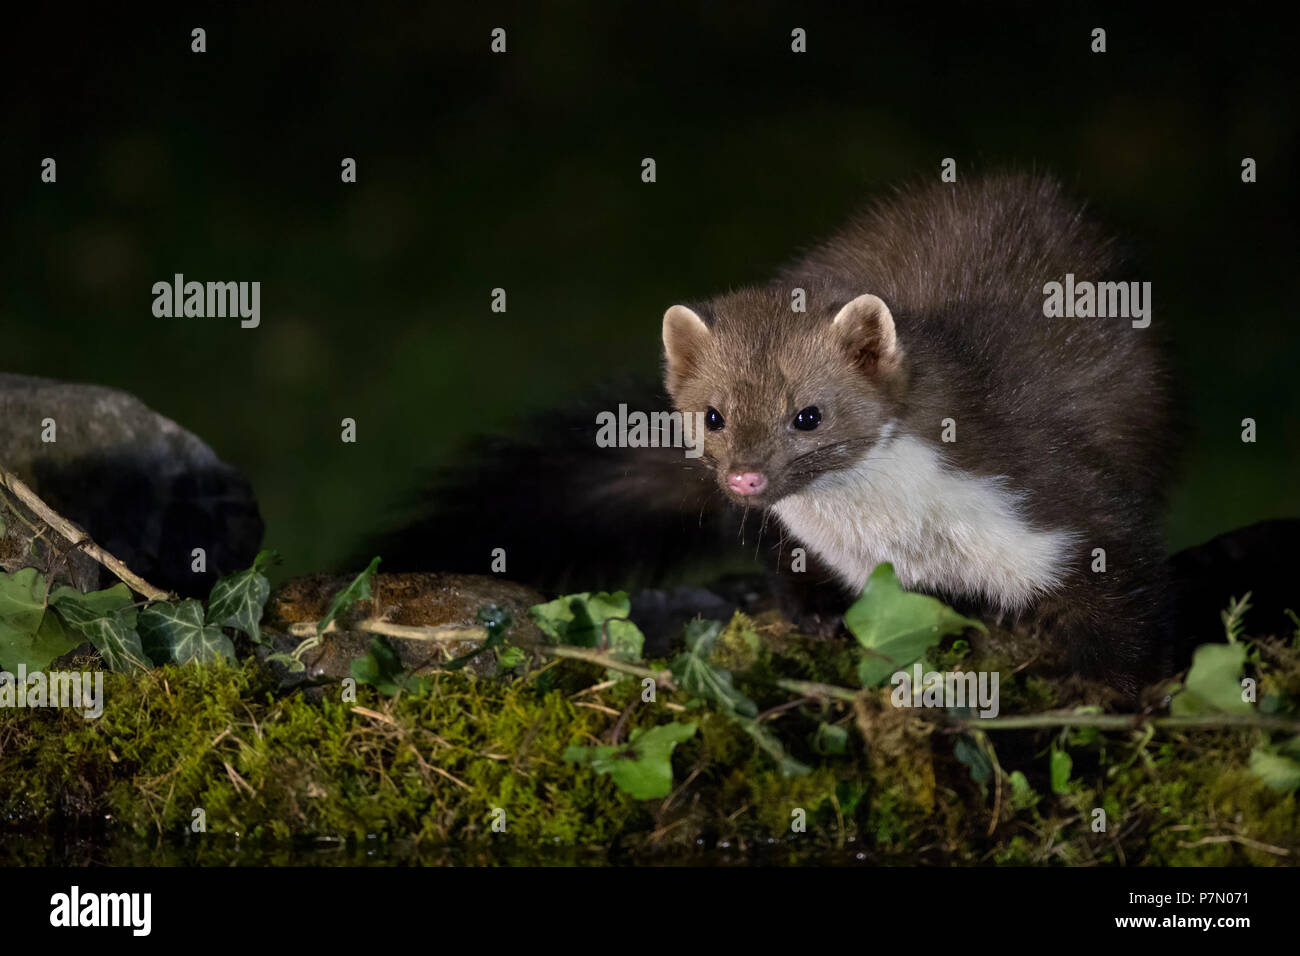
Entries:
{"x":523,"y":171}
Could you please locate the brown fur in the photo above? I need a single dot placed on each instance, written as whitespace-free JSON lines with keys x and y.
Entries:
{"x":1074,"y":413}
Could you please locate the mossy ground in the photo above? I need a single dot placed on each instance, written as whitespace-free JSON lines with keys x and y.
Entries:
{"x":307,"y":777}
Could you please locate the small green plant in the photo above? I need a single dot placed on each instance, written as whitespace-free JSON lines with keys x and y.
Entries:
{"x":642,"y":768}
{"x":39,"y":623}
{"x":896,"y":627}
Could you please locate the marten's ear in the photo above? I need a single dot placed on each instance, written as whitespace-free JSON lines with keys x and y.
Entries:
{"x":685,"y":337}
{"x":865,"y":330}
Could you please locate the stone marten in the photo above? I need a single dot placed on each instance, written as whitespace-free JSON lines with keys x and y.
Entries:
{"x":901,"y":393}
{"x":923,"y":410}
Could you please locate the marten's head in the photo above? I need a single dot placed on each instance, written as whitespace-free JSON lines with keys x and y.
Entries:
{"x":787,"y":396}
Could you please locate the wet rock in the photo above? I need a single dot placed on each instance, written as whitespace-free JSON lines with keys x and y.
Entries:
{"x":418,"y":600}
{"x":145,"y":489}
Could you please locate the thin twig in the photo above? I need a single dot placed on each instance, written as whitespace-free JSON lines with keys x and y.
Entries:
{"x":1071,"y":719}
{"x":808,"y":688}
{"x":1127,"y":722}
{"x":600,"y":707}
{"x":603,"y":685}
{"x":410,"y":632}
{"x":781,"y":708}
{"x":373,"y":714}
{"x":663,"y":678}
{"x":997,"y":798}
{"x":237,"y":780}
{"x":75,"y":535}
{"x":1244,"y":841}
{"x":617,"y":731}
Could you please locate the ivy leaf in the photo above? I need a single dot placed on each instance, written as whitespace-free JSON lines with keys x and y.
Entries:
{"x":1213,"y":682}
{"x":643,"y":768}
{"x":107,"y":620}
{"x":701,"y":636}
{"x":176,"y":632}
{"x":897,"y":627}
{"x":30,"y":636}
{"x":581,"y":620}
{"x":91,"y":604}
{"x":592,"y":620}
{"x":1280,"y":772}
{"x":358,"y":590}
{"x":770,"y":745}
{"x":22,"y":600}
{"x":693,"y":671}
{"x":237,"y":600}
{"x":382,"y":669}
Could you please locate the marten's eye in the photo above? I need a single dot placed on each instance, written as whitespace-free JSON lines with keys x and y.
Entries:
{"x":808,"y":419}
{"x":713,"y":420}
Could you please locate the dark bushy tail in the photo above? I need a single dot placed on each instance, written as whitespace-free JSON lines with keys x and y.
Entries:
{"x":569,"y":514}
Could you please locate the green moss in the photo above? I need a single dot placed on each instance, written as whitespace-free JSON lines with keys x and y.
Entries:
{"x":739,"y":647}
{"x":416,"y":777}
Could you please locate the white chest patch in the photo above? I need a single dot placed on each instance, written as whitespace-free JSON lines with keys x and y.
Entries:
{"x":940,"y":527}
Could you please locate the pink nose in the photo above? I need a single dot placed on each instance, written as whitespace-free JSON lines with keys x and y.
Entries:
{"x":748,"y":483}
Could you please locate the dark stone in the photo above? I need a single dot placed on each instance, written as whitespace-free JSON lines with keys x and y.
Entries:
{"x":1262,"y":559}
{"x":661,"y":614}
{"x":145,"y":489}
